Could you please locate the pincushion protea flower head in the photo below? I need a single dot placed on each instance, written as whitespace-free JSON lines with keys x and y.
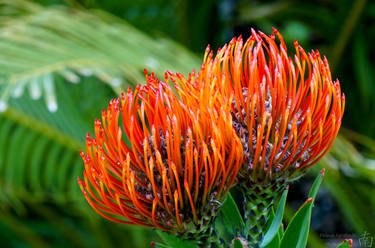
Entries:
{"x":286,"y":111}
{"x":161,"y":161}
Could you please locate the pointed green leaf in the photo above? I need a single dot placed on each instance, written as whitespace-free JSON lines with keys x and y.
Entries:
{"x":276,"y":221}
{"x":348,"y":243}
{"x":298,"y":229}
{"x":315,"y":187}
{"x":237,"y":243}
{"x":173,"y":241}
{"x":275,"y":243}
{"x":231,"y":215}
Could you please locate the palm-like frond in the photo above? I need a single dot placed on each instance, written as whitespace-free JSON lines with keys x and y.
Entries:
{"x":36,"y":43}
{"x":39,"y":165}
{"x":38,"y":149}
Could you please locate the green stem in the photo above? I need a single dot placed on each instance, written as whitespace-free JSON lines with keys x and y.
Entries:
{"x":258,"y":201}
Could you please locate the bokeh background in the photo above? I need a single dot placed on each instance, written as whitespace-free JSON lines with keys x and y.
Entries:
{"x":61,"y":62}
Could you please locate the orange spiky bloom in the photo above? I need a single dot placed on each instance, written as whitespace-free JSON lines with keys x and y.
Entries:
{"x":286,"y":111}
{"x":161,"y":159}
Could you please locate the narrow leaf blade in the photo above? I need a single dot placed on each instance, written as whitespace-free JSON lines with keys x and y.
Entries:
{"x":298,"y":229}
{"x":315,"y":187}
{"x":275,"y":243}
{"x":231,"y":215}
{"x":276,"y":222}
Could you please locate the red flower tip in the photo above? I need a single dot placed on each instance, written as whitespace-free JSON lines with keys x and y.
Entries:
{"x":322,"y":172}
{"x":350,"y":241}
{"x":97,"y":123}
{"x":295,"y":43}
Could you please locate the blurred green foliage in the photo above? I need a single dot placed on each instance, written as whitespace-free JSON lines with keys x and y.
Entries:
{"x":105,"y":45}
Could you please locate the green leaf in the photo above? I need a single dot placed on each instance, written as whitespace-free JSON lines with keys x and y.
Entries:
{"x":158,"y":245}
{"x":348,"y":243}
{"x":231,"y":215}
{"x":276,"y":221}
{"x":172,"y":241}
{"x":297,"y":231}
{"x":315,"y":187}
{"x":83,"y":43}
{"x":237,"y":243}
{"x":275,"y":242}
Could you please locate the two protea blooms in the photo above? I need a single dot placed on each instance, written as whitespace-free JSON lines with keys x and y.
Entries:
{"x":166,"y":154}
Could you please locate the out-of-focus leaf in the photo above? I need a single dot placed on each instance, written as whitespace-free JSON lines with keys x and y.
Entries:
{"x":350,"y":179}
{"x":363,"y":69}
{"x":76,"y":43}
{"x":250,"y":12}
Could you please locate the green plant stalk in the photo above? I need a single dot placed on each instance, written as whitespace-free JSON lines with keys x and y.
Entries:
{"x":258,"y":201}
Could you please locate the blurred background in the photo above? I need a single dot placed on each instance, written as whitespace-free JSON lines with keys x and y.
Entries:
{"x":61,"y":62}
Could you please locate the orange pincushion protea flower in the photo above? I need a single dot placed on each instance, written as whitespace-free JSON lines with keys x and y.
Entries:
{"x":160,"y":161}
{"x":286,"y":111}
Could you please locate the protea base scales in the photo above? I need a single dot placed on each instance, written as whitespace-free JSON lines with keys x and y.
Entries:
{"x":258,"y":201}
{"x":203,"y":232}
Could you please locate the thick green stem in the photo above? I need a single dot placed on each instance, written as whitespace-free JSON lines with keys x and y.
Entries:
{"x":258,"y":201}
